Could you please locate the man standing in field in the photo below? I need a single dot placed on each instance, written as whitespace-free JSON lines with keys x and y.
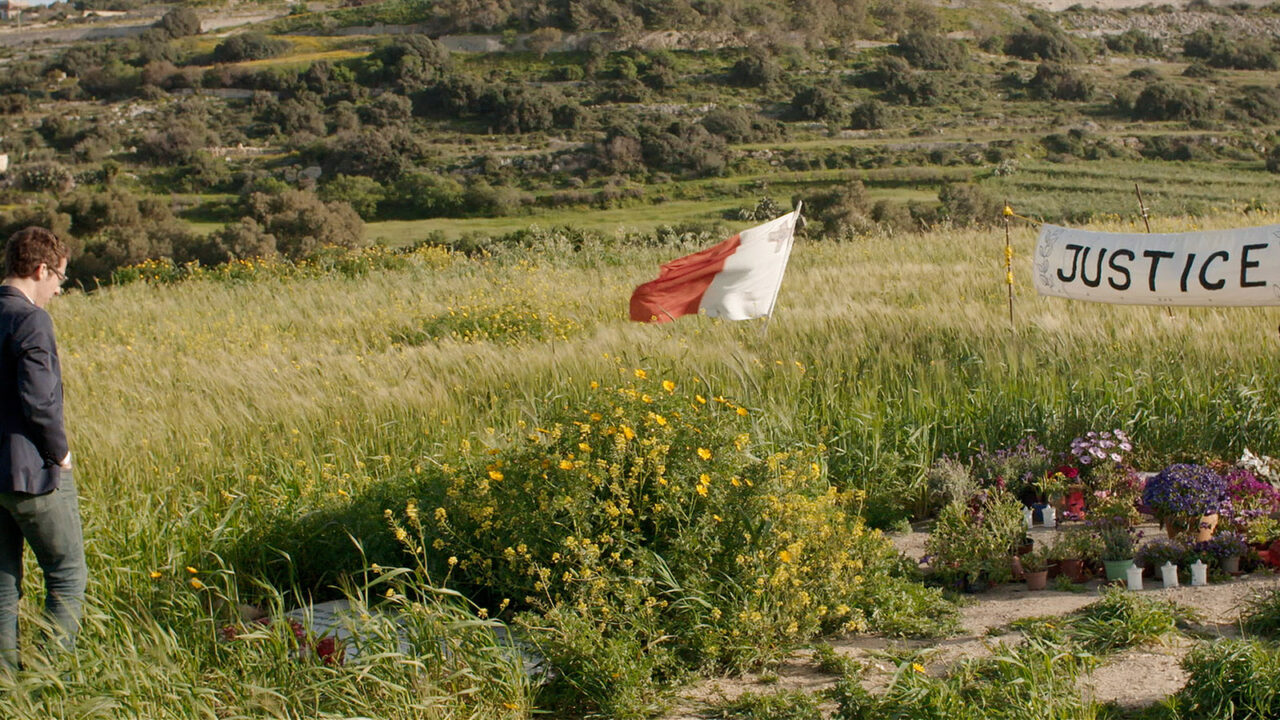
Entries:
{"x":38,"y":502}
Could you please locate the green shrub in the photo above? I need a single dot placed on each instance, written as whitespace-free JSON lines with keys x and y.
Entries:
{"x":1060,"y":82}
{"x":179,"y":22}
{"x":759,"y":69}
{"x":1273,"y":159}
{"x":362,"y":193}
{"x":738,"y":125}
{"x":838,"y":213}
{"x":652,"y":511}
{"x":1165,"y":101}
{"x":931,"y":51}
{"x":818,"y":102}
{"x":1135,"y":42}
{"x":965,"y":204}
{"x":1043,"y":43}
{"x":1207,"y":42}
{"x":871,"y":115}
{"x":1259,"y":104}
{"x":301,"y":223}
{"x":1230,"y":680}
{"x":249,"y":46}
{"x":44,"y":177}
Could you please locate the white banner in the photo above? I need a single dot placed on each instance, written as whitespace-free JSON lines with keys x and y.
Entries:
{"x":1219,"y":267}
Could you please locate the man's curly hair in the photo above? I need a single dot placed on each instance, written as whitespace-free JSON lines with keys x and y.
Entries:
{"x":31,"y":247}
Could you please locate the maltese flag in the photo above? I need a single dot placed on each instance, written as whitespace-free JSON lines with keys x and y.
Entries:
{"x":737,"y":279}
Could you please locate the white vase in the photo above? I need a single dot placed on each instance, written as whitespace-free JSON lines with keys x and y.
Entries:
{"x":1169,"y":574}
{"x":1133,"y":577}
{"x":1050,"y":517}
{"x":1028,"y":516}
{"x":1199,"y":574}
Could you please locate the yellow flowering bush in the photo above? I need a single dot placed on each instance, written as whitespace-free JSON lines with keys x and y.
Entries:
{"x":651,"y":514}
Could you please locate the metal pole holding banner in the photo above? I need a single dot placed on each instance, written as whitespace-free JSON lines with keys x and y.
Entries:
{"x":1142,"y":207}
{"x":1008,"y":259}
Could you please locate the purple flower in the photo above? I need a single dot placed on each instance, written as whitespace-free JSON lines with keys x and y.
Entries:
{"x":1185,"y":490}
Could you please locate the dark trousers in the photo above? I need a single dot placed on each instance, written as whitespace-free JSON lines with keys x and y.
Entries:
{"x":50,"y":524}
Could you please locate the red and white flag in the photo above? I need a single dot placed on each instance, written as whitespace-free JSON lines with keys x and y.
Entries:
{"x":737,"y":279}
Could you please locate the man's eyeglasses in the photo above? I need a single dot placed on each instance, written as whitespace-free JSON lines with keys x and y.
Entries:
{"x":61,"y":278}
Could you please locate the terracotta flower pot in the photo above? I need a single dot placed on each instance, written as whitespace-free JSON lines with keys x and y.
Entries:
{"x":1037,"y":580}
{"x":1207,"y":524}
{"x":1072,"y":568}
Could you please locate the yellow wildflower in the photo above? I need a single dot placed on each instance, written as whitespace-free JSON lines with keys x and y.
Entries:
{"x":566,"y":464}
{"x":702,"y":490}
{"x":192,"y":570}
{"x":917,"y":667}
{"x":641,"y":374}
{"x":196,"y":584}
{"x":156,"y":574}
{"x":704,"y":453}
{"x":495,"y":475}
{"x":742,"y":411}
{"x":668,"y":386}
{"x":784,"y":556}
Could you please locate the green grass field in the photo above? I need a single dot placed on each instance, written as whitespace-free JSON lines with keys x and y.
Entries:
{"x":208,"y":415}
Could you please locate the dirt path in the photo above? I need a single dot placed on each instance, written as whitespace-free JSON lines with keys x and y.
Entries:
{"x":1136,"y":677}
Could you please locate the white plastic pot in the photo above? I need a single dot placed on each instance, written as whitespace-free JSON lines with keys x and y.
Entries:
{"x":1133,"y":577}
{"x":1199,"y":574}
{"x":1050,"y":517}
{"x":1028,"y":516}
{"x":1169,"y":574}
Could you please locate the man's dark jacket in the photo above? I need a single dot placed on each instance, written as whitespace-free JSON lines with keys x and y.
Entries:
{"x":33,"y":440}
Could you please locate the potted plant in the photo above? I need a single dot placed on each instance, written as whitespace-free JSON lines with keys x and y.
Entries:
{"x":1079,"y":549}
{"x":1250,"y":505}
{"x":1225,"y":550}
{"x":1156,"y":553}
{"x":1035,"y":567}
{"x":1119,"y":543}
{"x":1185,"y":497}
{"x":970,"y":543}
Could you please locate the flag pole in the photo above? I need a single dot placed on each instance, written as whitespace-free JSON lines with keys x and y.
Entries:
{"x":1008,"y":259}
{"x":791,"y":239}
{"x":1142,"y":207}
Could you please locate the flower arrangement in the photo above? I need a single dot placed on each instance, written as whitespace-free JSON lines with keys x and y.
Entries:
{"x":1015,"y":469}
{"x":1116,"y":540}
{"x":1054,"y":484}
{"x":1098,"y":447}
{"x":1160,"y":551}
{"x":1184,"y":491}
{"x":1250,"y":503}
{"x":1223,"y":545}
